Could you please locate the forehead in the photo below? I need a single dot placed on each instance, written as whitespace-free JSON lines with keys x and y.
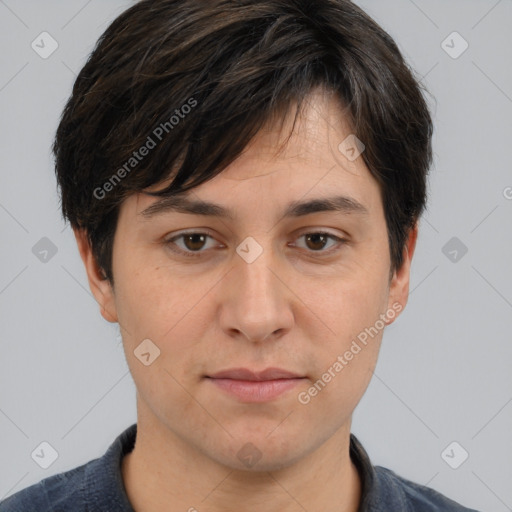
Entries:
{"x":286,"y":162}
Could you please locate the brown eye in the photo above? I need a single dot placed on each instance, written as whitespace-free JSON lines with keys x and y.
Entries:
{"x":317,"y":241}
{"x":194,"y":242}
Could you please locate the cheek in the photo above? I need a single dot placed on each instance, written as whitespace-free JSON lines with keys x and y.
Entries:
{"x":152,"y":302}
{"x":142,"y":307}
{"x":346,"y":330}
{"x":174,"y":314}
{"x":347,"y":302}
{"x":344,"y":378}
{"x":152,"y":306}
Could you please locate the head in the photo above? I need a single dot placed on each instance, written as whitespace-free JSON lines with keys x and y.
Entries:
{"x":255,"y":106}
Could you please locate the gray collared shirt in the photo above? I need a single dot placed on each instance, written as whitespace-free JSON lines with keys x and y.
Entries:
{"x":97,"y":486}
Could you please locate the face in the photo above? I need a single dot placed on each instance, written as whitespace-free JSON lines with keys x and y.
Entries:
{"x":306,"y":291}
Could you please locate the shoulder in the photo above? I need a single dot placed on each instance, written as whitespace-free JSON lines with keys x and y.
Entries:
{"x":415,"y":497}
{"x":63,"y":491}
{"x":94,"y":486}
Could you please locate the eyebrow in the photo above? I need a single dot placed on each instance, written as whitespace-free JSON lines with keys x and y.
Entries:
{"x":181,"y":204}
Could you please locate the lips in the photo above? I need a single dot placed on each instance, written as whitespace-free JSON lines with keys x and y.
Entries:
{"x":251,"y":386}
{"x":248,"y":375}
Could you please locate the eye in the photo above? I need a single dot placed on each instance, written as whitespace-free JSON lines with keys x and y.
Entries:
{"x":317,"y":241}
{"x":194,"y":242}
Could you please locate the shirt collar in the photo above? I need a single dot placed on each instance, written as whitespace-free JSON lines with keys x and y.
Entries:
{"x":380,"y":491}
{"x":103,"y":478}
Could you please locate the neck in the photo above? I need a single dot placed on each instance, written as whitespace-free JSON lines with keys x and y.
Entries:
{"x":164,"y":473}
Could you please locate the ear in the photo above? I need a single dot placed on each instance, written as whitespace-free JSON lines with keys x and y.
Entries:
{"x":399,"y":286}
{"x":98,"y":283}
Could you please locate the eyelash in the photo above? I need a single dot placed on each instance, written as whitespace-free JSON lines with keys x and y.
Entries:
{"x":196,"y":254}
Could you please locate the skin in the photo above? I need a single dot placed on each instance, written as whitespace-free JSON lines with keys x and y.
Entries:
{"x":291,"y":308}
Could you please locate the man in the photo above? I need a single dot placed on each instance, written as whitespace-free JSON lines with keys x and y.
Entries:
{"x":244,"y":180}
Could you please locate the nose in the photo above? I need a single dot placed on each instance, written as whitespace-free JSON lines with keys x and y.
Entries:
{"x":257,"y":303}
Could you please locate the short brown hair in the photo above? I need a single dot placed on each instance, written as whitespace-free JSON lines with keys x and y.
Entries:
{"x":234,"y":65}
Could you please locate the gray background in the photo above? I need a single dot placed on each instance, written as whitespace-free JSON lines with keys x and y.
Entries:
{"x":444,"y":370}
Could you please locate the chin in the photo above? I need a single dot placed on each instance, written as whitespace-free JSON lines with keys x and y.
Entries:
{"x":261,"y":454}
